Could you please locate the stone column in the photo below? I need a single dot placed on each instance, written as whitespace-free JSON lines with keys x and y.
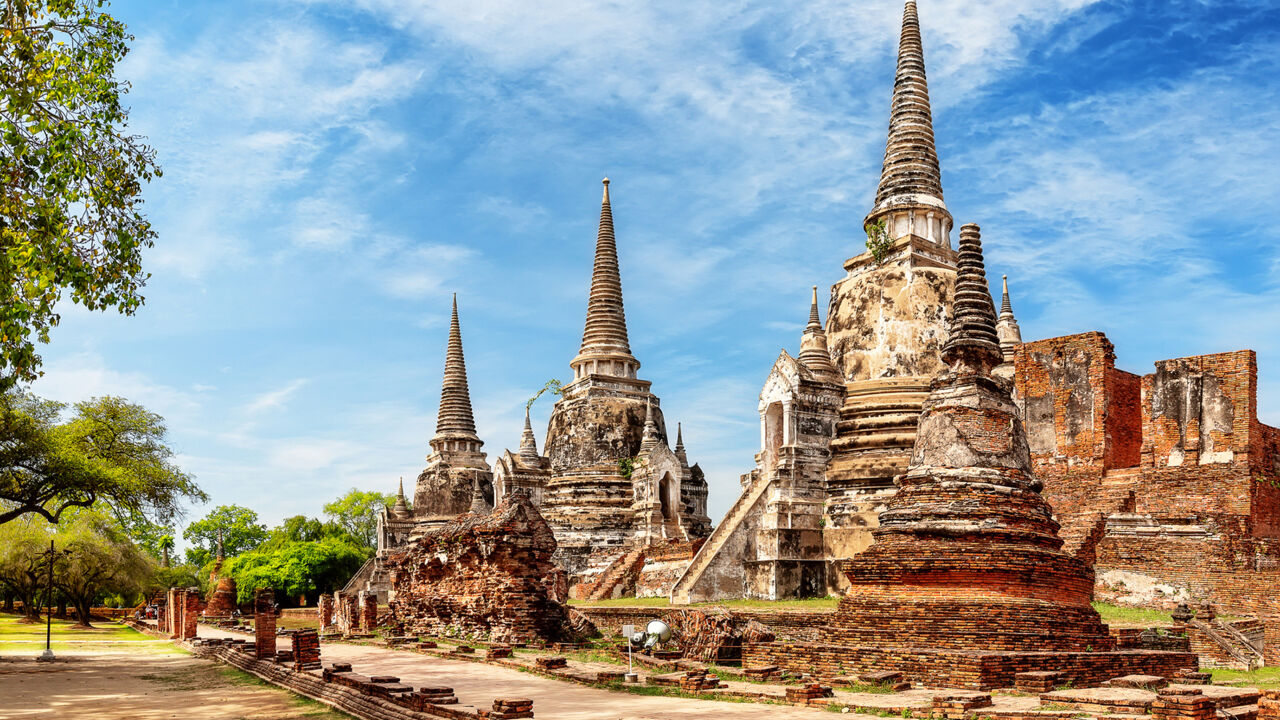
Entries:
{"x":325,"y":608}
{"x":264,"y":623}
{"x":172,"y":612}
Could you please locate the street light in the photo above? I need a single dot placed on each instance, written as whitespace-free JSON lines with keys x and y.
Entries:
{"x":47,"y":656}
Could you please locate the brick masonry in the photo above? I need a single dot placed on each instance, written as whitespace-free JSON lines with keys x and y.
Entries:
{"x":264,"y":623}
{"x":489,"y":575}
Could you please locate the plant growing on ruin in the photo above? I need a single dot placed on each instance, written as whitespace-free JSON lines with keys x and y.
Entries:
{"x":879,"y":244}
{"x":626,"y":466}
{"x":553,"y":385}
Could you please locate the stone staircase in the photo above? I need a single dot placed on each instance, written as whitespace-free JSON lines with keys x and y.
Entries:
{"x":626,"y":567}
{"x":682,"y":591}
{"x":1233,"y":642}
{"x":1082,"y":533}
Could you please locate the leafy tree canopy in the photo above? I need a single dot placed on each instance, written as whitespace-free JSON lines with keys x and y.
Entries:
{"x":236,"y":526}
{"x":357,"y":511}
{"x":97,"y":557}
{"x":297,"y":567}
{"x":70,"y":212}
{"x":110,"y":450}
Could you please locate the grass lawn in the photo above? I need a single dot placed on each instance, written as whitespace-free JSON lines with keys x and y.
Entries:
{"x":21,"y":638}
{"x":823,"y":603}
{"x":1120,"y":616}
{"x":1267,"y":678}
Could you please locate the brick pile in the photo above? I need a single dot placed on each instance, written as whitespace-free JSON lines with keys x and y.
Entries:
{"x":222,"y":601}
{"x":496,"y":652}
{"x":264,"y":623}
{"x":550,"y":662}
{"x":1183,"y":704}
{"x":367,"y":604}
{"x":763,"y":673}
{"x":955,"y":706}
{"x":810,"y":691}
{"x":306,"y":650}
{"x":481,"y":575}
{"x":1037,"y":681}
{"x":698,"y":680}
{"x":1269,"y":705}
{"x":510,"y":709}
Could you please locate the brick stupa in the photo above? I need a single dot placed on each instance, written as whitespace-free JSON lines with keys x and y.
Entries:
{"x":968,"y":537}
{"x":966,"y":583}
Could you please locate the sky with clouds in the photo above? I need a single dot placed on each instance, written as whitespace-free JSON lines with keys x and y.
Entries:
{"x":335,"y":169}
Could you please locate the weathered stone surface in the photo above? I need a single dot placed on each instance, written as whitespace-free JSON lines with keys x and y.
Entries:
{"x":489,"y":575}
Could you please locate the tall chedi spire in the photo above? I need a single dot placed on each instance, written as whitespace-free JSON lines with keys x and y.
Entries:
{"x":1006,"y":325}
{"x":456,"y":467}
{"x":909,"y":198}
{"x":973,"y":340}
{"x":455,"y":424}
{"x":813,"y":345}
{"x":605,"y":349}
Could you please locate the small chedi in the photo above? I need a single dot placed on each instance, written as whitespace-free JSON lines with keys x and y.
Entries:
{"x":485,"y":574}
{"x":221,"y":602}
{"x":966,"y":583}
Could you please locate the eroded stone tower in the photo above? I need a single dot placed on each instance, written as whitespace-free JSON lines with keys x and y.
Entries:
{"x":456,"y":468}
{"x":614,"y":482}
{"x":888,"y":316}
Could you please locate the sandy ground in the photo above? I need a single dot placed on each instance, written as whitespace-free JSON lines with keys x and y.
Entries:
{"x":142,"y":686}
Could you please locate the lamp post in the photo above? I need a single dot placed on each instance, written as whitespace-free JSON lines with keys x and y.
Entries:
{"x":47,"y":656}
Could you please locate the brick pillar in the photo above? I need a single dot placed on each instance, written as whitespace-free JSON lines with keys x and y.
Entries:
{"x":190,"y":612}
{"x":172,"y":612}
{"x":1183,"y":705}
{"x":306,"y":650}
{"x":368,"y":611}
{"x":1271,"y":639}
{"x":325,"y":608}
{"x":264,"y":623}
{"x":347,"y":611}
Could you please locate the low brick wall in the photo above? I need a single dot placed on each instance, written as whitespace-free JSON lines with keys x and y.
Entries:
{"x":972,"y":670}
{"x":1269,"y":705}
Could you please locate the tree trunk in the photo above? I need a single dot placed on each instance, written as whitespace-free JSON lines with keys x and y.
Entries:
{"x":29,"y":608}
{"x":8,"y":603}
{"x":82,"y":611}
{"x":62,"y":608}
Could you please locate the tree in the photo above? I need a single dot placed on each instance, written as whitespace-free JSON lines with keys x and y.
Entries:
{"x":97,"y":558}
{"x":70,"y":210}
{"x":166,"y":547}
{"x":110,"y":450}
{"x":357,"y":512}
{"x":23,"y":570}
{"x":237,"y":527}
{"x":298,"y":568}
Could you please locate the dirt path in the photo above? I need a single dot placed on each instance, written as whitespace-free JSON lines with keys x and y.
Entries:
{"x":146,"y":686}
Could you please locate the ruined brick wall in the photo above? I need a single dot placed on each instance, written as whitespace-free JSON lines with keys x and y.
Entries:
{"x":488,"y":575}
{"x":1124,"y":419}
{"x":325,"y":609}
{"x":1266,"y":488}
{"x":784,"y":624}
{"x":1200,"y":410}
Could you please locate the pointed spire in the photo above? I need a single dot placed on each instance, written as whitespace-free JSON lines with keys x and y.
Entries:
{"x":910,"y":158}
{"x":650,"y":438}
{"x":401,"y":507}
{"x":605,"y":334}
{"x":455,"y":420}
{"x":479,"y":505}
{"x":1007,"y":325}
{"x":680,"y":453}
{"x":814,"y":353}
{"x":528,"y":444}
{"x":973,"y":339}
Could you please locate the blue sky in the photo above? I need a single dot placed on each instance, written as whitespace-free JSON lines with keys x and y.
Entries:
{"x":334,"y":170}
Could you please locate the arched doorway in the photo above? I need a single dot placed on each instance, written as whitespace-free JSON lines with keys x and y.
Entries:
{"x":666,"y":488}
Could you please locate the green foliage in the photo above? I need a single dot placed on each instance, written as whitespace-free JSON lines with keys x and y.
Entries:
{"x":22,"y":570}
{"x":237,"y":527}
{"x":879,"y":244}
{"x":110,"y":450}
{"x":70,"y":213}
{"x":297,"y":567}
{"x":165,"y":546}
{"x":626,"y":466}
{"x":357,"y":512}
{"x":553,"y":385}
{"x":97,"y":558}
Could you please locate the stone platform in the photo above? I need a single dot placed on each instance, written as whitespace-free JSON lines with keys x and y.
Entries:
{"x":973,"y":670}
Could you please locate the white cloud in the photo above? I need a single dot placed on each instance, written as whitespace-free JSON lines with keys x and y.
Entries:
{"x":274,"y":399}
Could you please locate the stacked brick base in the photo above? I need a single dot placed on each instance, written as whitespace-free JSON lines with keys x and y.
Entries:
{"x":958,"y":669}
